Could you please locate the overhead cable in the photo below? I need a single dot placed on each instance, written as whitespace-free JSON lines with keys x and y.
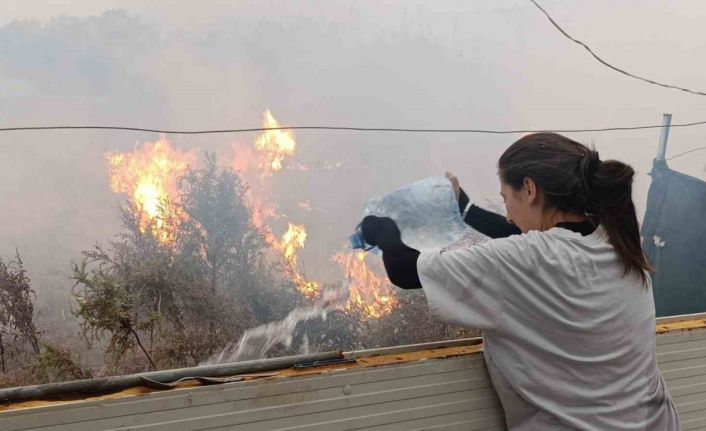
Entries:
{"x":687,"y":152}
{"x":346,"y":128}
{"x":605,"y":63}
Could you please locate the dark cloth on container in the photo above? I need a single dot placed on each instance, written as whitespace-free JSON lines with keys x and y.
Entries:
{"x":674,"y":235}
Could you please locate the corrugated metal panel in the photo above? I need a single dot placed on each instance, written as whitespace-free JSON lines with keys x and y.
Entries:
{"x":682,"y":359}
{"x":439,"y":394}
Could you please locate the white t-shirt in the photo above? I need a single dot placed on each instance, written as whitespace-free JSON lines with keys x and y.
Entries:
{"x":569,"y":340}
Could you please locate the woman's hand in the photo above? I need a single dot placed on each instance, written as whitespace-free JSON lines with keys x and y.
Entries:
{"x":464,"y":202}
{"x":455,"y":184}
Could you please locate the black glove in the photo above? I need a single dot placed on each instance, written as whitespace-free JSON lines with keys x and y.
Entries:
{"x":381,"y":232}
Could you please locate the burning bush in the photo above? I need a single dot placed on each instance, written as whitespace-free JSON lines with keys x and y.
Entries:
{"x":179,"y":300}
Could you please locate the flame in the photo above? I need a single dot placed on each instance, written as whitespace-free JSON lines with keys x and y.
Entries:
{"x":293,"y":240}
{"x":261,"y":213}
{"x":257,"y":165}
{"x":370,"y":293}
{"x":275,"y":145}
{"x":149,"y":175}
{"x":308,"y":288}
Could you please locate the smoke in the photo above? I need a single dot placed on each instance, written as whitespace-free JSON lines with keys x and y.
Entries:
{"x":392,"y":63}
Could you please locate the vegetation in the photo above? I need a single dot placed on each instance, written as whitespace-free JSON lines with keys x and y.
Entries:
{"x":17,"y":329}
{"x":178,"y":300}
{"x":24,"y":358}
{"x":175,"y":291}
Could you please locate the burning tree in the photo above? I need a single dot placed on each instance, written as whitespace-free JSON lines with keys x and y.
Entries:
{"x":178,"y":296}
{"x":149,"y":175}
{"x":219,"y":232}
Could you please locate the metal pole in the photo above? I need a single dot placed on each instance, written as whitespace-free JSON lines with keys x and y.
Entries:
{"x":664,"y":136}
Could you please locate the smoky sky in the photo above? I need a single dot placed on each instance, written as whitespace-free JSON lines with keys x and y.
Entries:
{"x":442,"y":64}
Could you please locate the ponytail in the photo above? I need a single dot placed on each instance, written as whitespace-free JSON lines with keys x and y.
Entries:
{"x":611,"y":194}
{"x":575,"y":180}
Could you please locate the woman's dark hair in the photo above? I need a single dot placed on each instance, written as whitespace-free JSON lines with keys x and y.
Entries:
{"x":575,"y":180}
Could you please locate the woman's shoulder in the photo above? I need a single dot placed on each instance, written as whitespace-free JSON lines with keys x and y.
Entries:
{"x":549,"y":237}
{"x":520,"y":242}
{"x":526,"y":248}
{"x":519,"y":251}
{"x":515,"y":250}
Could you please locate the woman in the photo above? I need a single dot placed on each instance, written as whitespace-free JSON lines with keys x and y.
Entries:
{"x":562,"y":293}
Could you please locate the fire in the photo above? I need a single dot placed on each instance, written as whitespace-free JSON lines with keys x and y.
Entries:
{"x":370,"y":293}
{"x":275,"y":145}
{"x":257,"y":165}
{"x":261,"y":213}
{"x":308,"y":288}
{"x":149,"y":175}
{"x":293,"y":240}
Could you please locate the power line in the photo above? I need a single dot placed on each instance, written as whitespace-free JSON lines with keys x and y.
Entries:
{"x":605,"y":63}
{"x":687,"y":152}
{"x":345,"y":128}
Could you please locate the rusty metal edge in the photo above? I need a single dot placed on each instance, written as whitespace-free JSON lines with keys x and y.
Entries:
{"x":119,"y":383}
{"x":681,"y":318}
{"x":412,"y":348}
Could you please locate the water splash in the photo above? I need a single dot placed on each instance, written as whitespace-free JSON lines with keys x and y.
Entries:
{"x":257,"y":342}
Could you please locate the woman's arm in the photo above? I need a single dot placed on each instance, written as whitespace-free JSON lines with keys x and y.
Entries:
{"x":463,"y":286}
{"x":484,"y":221}
{"x":399,"y":259}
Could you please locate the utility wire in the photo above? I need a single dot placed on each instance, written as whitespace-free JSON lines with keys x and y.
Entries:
{"x":345,"y":128}
{"x":605,"y":63}
{"x":687,"y":152}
